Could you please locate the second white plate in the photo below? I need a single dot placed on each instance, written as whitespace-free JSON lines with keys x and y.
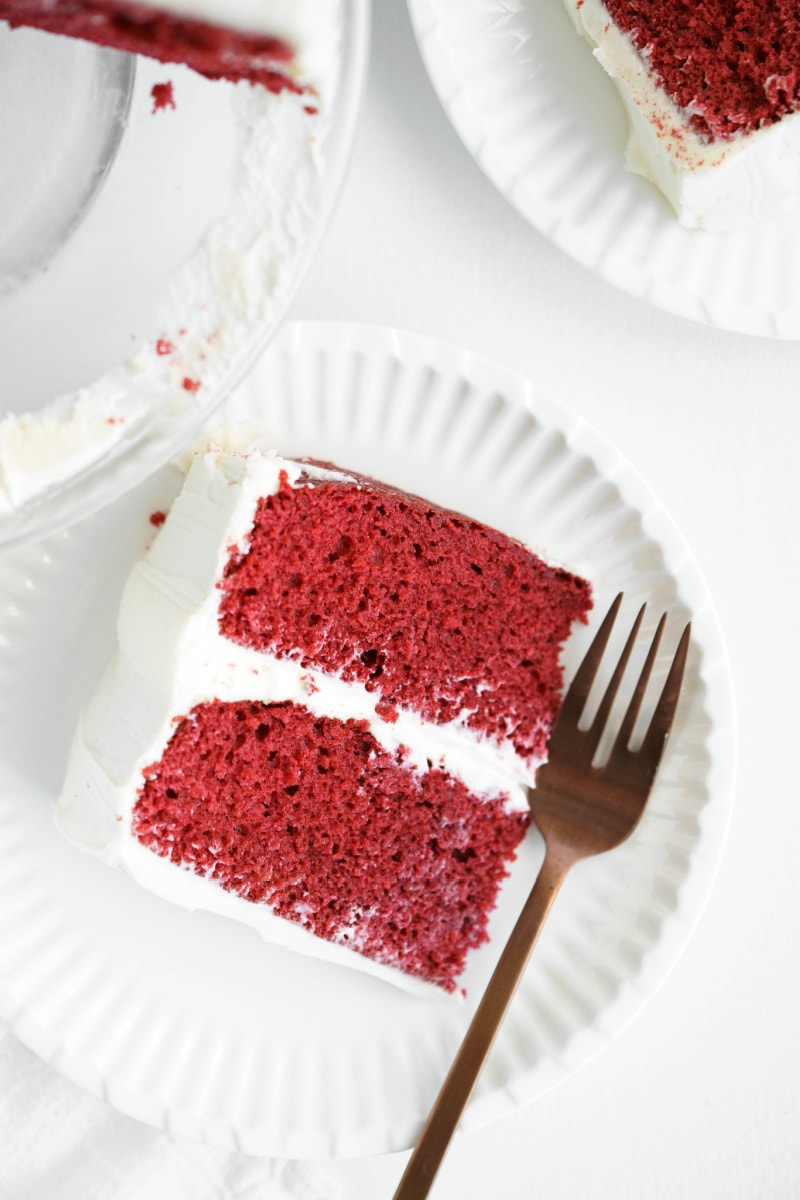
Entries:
{"x":188,"y":1021}
{"x":544,"y":122}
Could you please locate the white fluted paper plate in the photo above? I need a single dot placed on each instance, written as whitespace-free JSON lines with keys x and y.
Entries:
{"x":543,"y":121}
{"x":190,"y":1022}
{"x":151,"y":252}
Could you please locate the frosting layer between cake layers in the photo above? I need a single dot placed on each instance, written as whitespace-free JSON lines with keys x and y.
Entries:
{"x":723,"y":147}
{"x":185,"y":698}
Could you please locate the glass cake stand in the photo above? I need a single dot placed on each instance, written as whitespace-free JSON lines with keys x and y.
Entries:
{"x":64,"y":106}
{"x":148,"y":252}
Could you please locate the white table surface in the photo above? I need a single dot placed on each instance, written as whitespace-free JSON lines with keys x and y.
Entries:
{"x":700,"y":1097}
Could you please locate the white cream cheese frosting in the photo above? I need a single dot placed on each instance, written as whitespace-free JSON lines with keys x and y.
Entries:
{"x":43,"y":450}
{"x":716,"y":186}
{"x":172,"y":657}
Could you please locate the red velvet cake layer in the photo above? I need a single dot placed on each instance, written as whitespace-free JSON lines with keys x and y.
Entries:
{"x":313,"y":817}
{"x":434,"y":612}
{"x":213,"y":50}
{"x":732,"y":65}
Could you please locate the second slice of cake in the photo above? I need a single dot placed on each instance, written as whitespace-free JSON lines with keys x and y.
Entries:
{"x":712,"y":92}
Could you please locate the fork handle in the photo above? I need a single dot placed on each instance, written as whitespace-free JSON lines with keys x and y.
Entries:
{"x":457,"y":1088}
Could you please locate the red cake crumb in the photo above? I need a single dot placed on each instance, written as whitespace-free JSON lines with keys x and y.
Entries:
{"x":158,"y":518}
{"x":433,"y":612}
{"x":164,"y":347}
{"x":163,"y":95}
{"x":191,"y":385}
{"x":732,"y":66}
{"x":312,"y":816}
{"x":213,"y":50}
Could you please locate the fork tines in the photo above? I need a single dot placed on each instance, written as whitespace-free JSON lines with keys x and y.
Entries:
{"x":577,"y":696}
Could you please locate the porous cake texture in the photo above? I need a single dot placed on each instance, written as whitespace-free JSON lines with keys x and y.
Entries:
{"x":712,"y":90}
{"x":733,"y":66}
{"x":328,"y":702}
{"x":310,"y":815}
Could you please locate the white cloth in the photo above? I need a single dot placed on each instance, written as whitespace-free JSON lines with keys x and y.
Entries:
{"x":58,"y":1142}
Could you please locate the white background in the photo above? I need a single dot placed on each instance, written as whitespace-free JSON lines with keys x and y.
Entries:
{"x":700,"y":1097}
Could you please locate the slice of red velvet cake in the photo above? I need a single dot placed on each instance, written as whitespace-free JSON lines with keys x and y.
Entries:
{"x":271,"y":42}
{"x":712,"y":90}
{"x":328,"y":702}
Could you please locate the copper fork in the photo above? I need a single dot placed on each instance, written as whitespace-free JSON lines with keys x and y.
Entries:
{"x":582,"y":806}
